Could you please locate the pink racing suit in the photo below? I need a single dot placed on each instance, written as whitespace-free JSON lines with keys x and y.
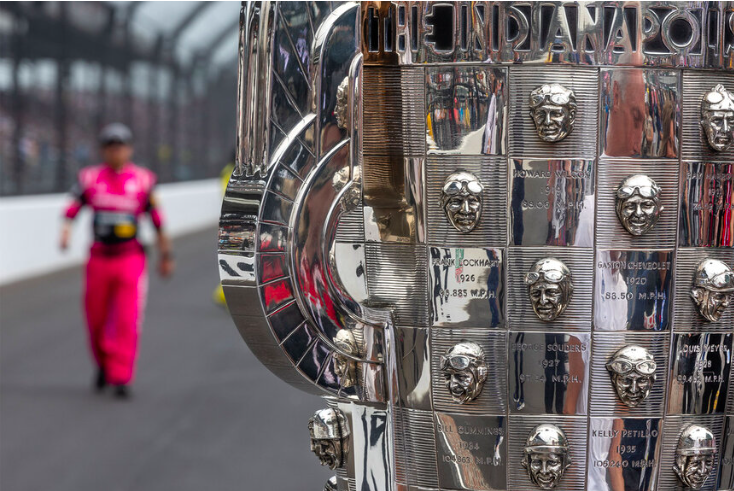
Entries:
{"x":116,"y":279}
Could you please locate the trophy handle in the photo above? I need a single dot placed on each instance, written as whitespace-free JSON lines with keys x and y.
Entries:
{"x":298,"y":173}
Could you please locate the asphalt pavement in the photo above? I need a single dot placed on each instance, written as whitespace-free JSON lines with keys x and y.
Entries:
{"x":205,"y":415}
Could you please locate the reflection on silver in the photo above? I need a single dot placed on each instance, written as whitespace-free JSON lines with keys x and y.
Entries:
{"x":717,"y":117}
{"x":331,"y":484}
{"x":465,"y":371}
{"x":461,"y":200}
{"x":342,"y":104}
{"x":546,"y":456}
{"x":549,"y":287}
{"x":695,"y":456}
{"x":638,"y":204}
{"x":553,"y":109}
{"x":713,"y":288}
{"x":344,"y":367}
{"x":632,"y":369}
{"x":329,"y":437}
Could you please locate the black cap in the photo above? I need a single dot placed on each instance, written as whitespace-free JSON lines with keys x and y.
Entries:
{"x":115,"y":133}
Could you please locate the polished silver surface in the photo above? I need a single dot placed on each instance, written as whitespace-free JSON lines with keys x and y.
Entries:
{"x":548,"y":372}
{"x":498,"y":236}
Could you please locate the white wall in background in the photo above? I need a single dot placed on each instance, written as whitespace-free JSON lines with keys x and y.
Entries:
{"x":30,"y":226}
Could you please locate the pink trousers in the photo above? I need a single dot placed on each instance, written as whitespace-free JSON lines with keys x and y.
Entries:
{"x":116,"y":289}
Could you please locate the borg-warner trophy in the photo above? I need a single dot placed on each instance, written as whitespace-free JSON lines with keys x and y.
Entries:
{"x":497,"y":237}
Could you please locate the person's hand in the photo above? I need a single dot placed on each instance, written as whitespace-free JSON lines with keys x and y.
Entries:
{"x":65,"y":234}
{"x":166,"y":265}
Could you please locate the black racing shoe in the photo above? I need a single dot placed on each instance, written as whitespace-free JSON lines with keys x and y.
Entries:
{"x":100,"y":381}
{"x":122,"y":391}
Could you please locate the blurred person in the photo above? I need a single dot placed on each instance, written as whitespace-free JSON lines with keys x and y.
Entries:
{"x":118,"y":192}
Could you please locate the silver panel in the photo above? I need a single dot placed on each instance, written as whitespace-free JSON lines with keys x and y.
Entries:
{"x":415,"y":448}
{"x":524,"y":141}
{"x":467,"y":287}
{"x":493,"y":398}
{"x":609,"y":230}
{"x":466,"y":110}
{"x":520,"y":312}
{"x":686,"y":316}
{"x":673,"y":427}
{"x":492,"y":228}
{"x":472,"y":451}
{"x":605,"y":400}
{"x":640,"y":113}
{"x":624,"y":453}
{"x":700,"y":371}
{"x":633,"y":290}
{"x":574,"y":478}
{"x":707,"y":198}
{"x":396,"y":277}
{"x":414,"y":368}
{"x":552,"y":202}
{"x":549,"y":372}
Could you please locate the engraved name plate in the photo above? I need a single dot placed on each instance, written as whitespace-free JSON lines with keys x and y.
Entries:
{"x":552,"y":202}
{"x":700,"y":372}
{"x":548,"y":372}
{"x":623,"y":453}
{"x":706,"y":218}
{"x":471,"y":451}
{"x":633,"y":290}
{"x":466,"y":287}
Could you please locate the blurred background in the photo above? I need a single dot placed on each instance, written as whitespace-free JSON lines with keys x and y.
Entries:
{"x":204,"y":413}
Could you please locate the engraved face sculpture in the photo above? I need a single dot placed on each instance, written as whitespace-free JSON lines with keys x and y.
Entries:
{"x":546,"y":456}
{"x":329,"y":437}
{"x":638,"y":204}
{"x":344,"y":367}
{"x":553,"y":109}
{"x":713,"y":288}
{"x":694,"y":457}
{"x":461,"y":199}
{"x":331,"y":484}
{"x":717,"y":117}
{"x":550,"y":288}
{"x":342,"y":103}
{"x":633,"y":374}
{"x":465,"y":371}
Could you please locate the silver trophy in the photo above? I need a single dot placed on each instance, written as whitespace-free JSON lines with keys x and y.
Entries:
{"x":497,"y":237}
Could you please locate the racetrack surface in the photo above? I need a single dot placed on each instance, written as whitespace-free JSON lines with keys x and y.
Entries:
{"x":205,"y":414}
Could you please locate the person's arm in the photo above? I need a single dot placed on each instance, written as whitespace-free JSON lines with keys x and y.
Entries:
{"x":166,"y":264}
{"x":77,"y":202}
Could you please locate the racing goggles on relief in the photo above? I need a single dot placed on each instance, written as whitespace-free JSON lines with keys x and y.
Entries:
{"x":715,"y":97}
{"x":644,"y":191}
{"x":462,"y":187}
{"x":552,"y":276}
{"x":722,"y":282}
{"x":457,"y":362}
{"x":624,"y":367}
{"x":558,"y":98}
